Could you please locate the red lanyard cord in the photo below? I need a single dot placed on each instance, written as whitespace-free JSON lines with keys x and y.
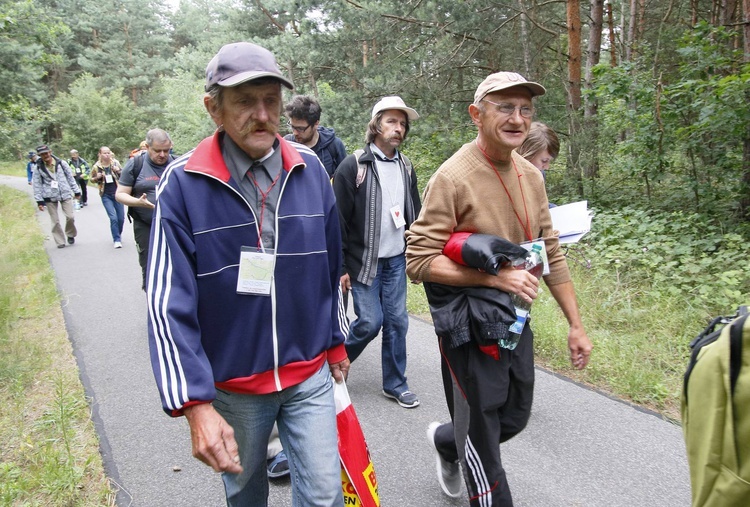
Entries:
{"x":527,"y":226}
{"x":263,"y":198}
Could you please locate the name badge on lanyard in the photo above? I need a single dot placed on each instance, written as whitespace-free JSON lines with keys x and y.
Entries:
{"x":108,"y":178}
{"x":256,"y":271}
{"x":398,"y":216}
{"x":53,"y":184}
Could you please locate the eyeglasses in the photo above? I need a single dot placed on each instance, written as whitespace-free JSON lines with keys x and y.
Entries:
{"x":298,"y":129}
{"x":510,"y":109}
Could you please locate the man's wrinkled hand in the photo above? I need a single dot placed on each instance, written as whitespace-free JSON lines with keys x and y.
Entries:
{"x":213,"y":439}
{"x":580,"y":348}
{"x":519,"y":282}
{"x":340,"y":371}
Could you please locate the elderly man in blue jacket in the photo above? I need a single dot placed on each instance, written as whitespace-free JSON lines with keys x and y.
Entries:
{"x":246,"y":328}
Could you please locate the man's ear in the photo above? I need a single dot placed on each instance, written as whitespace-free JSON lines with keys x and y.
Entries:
{"x":213,"y":110}
{"x":475,"y":113}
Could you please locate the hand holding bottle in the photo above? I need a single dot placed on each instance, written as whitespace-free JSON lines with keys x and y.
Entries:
{"x":534,"y":264}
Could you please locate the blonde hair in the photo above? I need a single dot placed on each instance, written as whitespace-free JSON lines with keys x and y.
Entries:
{"x":113,"y":162}
{"x":540,"y":137}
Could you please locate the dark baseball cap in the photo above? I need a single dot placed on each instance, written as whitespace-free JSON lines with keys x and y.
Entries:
{"x":240,"y":62}
{"x":42,"y":148}
{"x":32,"y":153}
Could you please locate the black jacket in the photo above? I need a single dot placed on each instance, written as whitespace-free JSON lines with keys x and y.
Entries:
{"x":360,"y":212}
{"x":481,"y":314}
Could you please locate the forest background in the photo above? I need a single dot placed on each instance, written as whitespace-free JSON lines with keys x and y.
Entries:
{"x":651,"y":100}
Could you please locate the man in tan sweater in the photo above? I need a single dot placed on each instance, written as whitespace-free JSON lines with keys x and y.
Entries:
{"x":486,"y":187}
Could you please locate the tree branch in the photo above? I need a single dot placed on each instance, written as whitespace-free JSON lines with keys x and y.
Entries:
{"x":270,"y":16}
{"x":430,"y":24}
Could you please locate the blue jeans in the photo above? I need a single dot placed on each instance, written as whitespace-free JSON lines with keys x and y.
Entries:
{"x":306,"y":417}
{"x":116,"y":214}
{"x":383,"y":304}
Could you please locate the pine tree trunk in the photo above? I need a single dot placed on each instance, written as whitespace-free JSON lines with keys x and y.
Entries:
{"x":574,"y":91}
{"x":612,"y":41}
{"x":629,"y":45}
{"x":745,"y":189}
{"x":590,"y":122}
{"x":524,"y":39}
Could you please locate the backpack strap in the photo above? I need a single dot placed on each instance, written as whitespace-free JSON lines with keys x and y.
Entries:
{"x":407,"y":162}
{"x":735,"y":350}
{"x":137,"y":166}
{"x":59,"y":163}
{"x":41,"y":165}
{"x":361,"y":167}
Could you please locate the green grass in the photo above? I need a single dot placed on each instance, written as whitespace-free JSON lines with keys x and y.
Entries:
{"x":17,"y":168}
{"x":49,"y":452}
{"x":641,"y":344}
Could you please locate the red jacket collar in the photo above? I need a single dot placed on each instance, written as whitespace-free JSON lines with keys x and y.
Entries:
{"x":207,"y":159}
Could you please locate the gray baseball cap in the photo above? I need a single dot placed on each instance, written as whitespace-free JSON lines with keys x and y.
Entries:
{"x":240,"y":62}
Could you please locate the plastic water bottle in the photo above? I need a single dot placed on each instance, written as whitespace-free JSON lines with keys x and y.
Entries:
{"x":534,"y":264}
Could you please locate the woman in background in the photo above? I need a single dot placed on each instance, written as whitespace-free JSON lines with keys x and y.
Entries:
{"x":106,"y":173}
{"x":541,"y":148}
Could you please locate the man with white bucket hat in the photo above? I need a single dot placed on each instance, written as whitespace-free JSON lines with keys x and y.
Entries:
{"x":377,"y":197}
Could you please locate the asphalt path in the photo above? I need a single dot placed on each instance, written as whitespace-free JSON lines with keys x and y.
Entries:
{"x":581,"y":447}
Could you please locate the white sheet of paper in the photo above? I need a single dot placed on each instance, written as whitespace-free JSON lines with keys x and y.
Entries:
{"x":572,"y":220}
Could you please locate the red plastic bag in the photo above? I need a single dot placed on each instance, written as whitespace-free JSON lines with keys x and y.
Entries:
{"x":358,"y":473}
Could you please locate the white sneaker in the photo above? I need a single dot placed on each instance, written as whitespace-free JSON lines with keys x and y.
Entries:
{"x":448,"y":474}
{"x":118,"y":244}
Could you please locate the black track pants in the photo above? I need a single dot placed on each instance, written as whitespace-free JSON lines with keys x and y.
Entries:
{"x":489,"y":402}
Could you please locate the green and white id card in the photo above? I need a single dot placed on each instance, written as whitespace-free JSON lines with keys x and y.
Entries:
{"x":256,"y":271}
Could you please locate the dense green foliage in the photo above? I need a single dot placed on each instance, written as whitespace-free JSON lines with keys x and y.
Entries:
{"x":673,"y":255}
{"x":677,"y":145}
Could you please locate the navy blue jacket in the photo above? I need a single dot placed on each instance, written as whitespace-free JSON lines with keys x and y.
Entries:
{"x":329,"y":149}
{"x":202,"y":333}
